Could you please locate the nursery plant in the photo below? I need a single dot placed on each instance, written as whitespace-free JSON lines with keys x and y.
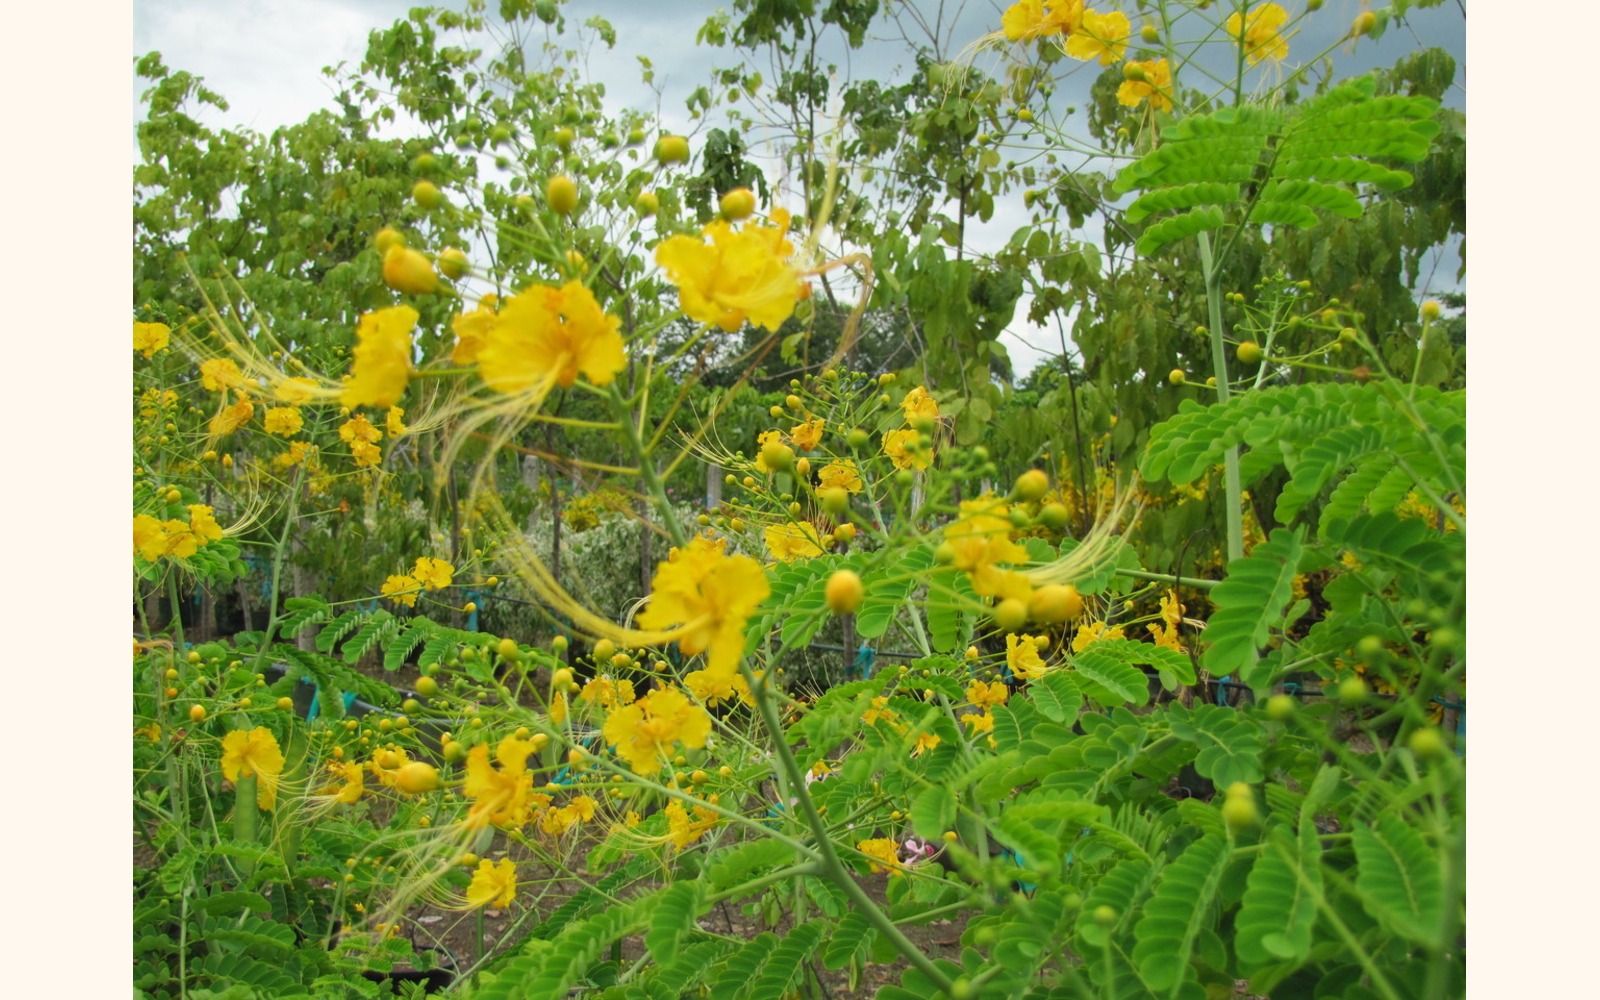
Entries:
{"x":1152,"y":688}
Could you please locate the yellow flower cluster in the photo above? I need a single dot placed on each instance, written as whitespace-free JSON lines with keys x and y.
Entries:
{"x":883,"y":855}
{"x":231,"y":418}
{"x":174,"y":538}
{"x":1147,"y":79}
{"x":980,"y":540}
{"x":284,"y":421}
{"x":706,"y":596}
{"x":1166,"y":634}
{"x":743,"y":274}
{"x":542,"y":336}
{"x":556,"y":820}
{"x":1022,"y":656}
{"x":1085,"y":34}
{"x":428,"y":574}
{"x":148,"y":338}
{"x":254,"y":753}
{"x":684,"y":831}
{"x":790,"y":541}
{"x":1093,"y":632}
{"x":645,"y":732}
{"x":906,"y":447}
{"x":493,"y":884}
{"x":363,"y":439}
{"x":501,"y":796}
{"x":382,"y":364}
{"x":1257,"y":32}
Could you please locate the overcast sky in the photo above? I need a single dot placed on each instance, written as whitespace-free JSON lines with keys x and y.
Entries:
{"x":266,"y":59}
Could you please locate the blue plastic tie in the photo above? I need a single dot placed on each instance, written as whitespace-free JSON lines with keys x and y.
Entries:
{"x":866,"y":656}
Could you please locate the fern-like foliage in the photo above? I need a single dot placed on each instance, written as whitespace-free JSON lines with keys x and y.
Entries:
{"x":1278,"y":911}
{"x":1177,"y":912}
{"x":550,"y":968}
{"x":1275,"y":166}
{"x":1366,"y":442}
{"x":1399,"y":879}
{"x":1230,"y":742}
{"x":1250,"y":603}
{"x":331,"y":674}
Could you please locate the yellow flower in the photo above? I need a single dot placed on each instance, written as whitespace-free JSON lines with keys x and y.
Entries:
{"x":645,"y":731}
{"x":433,"y":574}
{"x":1029,"y":19}
{"x":925,"y":742}
{"x":981,"y":538}
{"x":558,"y":708}
{"x":879,"y":710}
{"x":1171,"y":610}
{"x":220,"y":374}
{"x":257,"y":753}
{"x":359,"y":428}
{"x":979,"y":722}
{"x":984,"y":695}
{"x":296,"y":454}
{"x":401,"y":590}
{"x":394,"y":421}
{"x":898,"y":446}
{"x":919,"y":404}
{"x":1100,"y":36}
{"x":788,"y":542}
{"x":472,"y":332}
{"x":1155,"y":85}
{"x":681,"y":829}
{"x":295,"y":391}
{"x":182,"y":542}
{"x":1257,"y":32}
{"x":1022,"y":656}
{"x":383,"y":357}
{"x":148,"y":338}
{"x":884,"y":853}
{"x":546,"y":336}
{"x":386,"y":765}
{"x":501,"y":796}
{"x":366,"y":455}
{"x":743,"y":274}
{"x":283,"y":420}
{"x":1167,"y":636}
{"x":352,"y":782}
{"x":808,"y":435}
{"x":609,"y":694}
{"x":149,"y":537}
{"x":558,"y":821}
{"x":493,"y":884}
{"x":382,"y":362}
{"x":708,"y":596}
{"x":840,"y":475}
{"x":711,"y":687}
{"x":1093,"y":632}
{"x":231,"y":418}
{"x":762,"y":440}
{"x":203,"y":523}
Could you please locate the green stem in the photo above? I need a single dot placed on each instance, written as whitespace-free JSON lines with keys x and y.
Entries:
{"x":279,"y":550}
{"x":246,"y":817}
{"x":647,"y":469}
{"x":1219,"y":362}
{"x":832,"y":868}
{"x":1176,"y":581}
{"x":173,"y":597}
